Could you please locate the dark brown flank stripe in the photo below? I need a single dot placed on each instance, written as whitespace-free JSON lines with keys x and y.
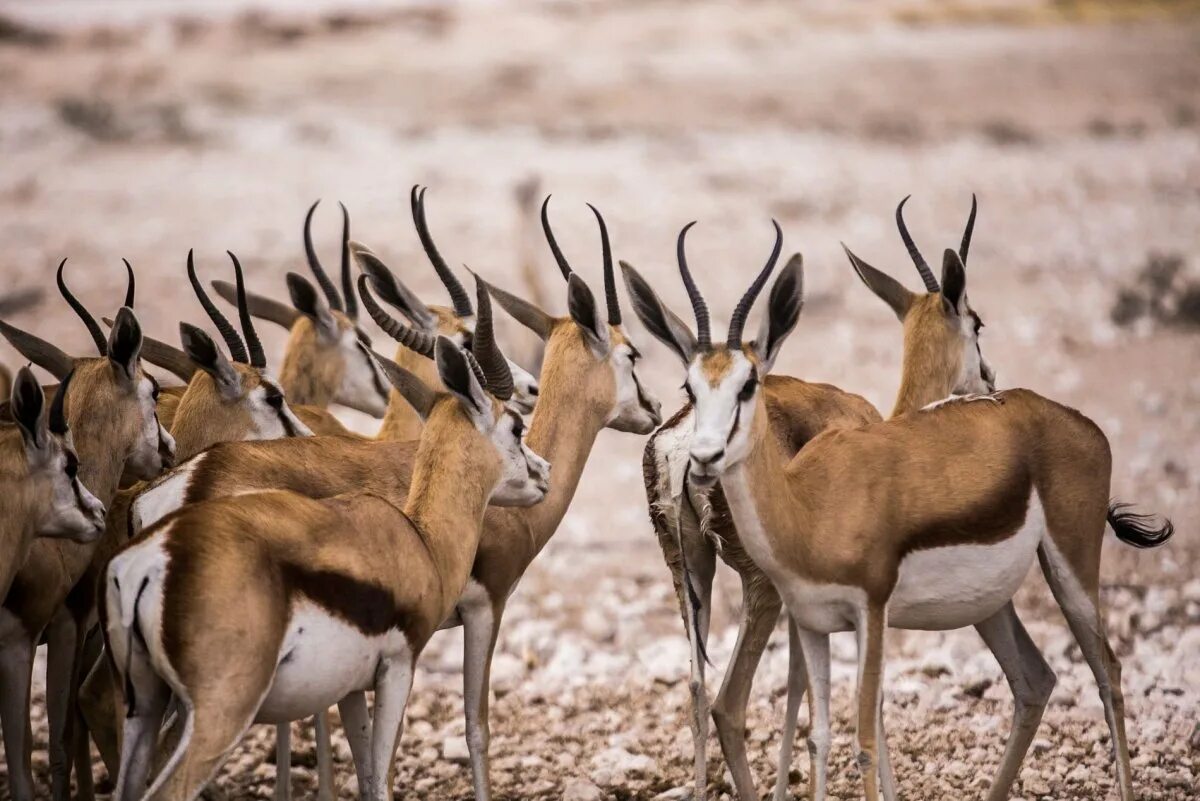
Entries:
{"x":367,"y":607}
{"x":990,"y":520}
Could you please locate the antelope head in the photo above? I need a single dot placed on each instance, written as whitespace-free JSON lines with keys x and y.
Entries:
{"x":51,"y":464}
{"x":118,"y":411}
{"x":456,"y":322}
{"x":585,"y":350}
{"x":472,"y":415}
{"x":941,"y":330}
{"x":723,"y":381}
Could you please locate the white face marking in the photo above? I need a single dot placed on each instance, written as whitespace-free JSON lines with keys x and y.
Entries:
{"x":723,"y":415}
{"x":363,"y":386}
{"x":976,"y":377}
{"x":635,"y":411}
{"x":525,"y":389}
{"x":155,"y":447}
{"x":524,"y":476}
{"x":271,"y":416}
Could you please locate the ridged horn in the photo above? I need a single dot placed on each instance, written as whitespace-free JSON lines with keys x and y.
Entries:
{"x":130,"y":284}
{"x":459,"y":298}
{"x":88,"y":320}
{"x":742,"y":312}
{"x":498,"y":378}
{"x":254,"y":346}
{"x":611,"y":299}
{"x":699,"y":307}
{"x":410,"y":338}
{"x":931,"y":284}
{"x":559,"y":258}
{"x":314,"y":263}
{"x":237,"y":348}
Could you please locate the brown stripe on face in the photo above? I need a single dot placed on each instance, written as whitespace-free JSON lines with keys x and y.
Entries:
{"x":993,"y":516}
{"x":716,"y":363}
{"x":367,"y":607}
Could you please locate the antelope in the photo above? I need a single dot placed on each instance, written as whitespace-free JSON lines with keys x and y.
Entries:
{"x":10,"y":304}
{"x":40,"y":489}
{"x":857,"y":532}
{"x":798,"y":411}
{"x":400,"y":422}
{"x":589,"y":382}
{"x":360,"y":583}
{"x":111,"y":412}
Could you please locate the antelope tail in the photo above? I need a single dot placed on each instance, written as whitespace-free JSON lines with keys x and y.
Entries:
{"x":1140,"y":531}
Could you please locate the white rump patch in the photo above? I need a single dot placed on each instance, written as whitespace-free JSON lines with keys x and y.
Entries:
{"x":163,"y":496}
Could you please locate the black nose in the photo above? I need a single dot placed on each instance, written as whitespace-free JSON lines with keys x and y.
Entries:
{"x":710,"y":458}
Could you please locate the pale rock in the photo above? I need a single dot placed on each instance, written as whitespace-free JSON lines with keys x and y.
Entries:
{"x":454,"y":749}
{"x":581,"y":790}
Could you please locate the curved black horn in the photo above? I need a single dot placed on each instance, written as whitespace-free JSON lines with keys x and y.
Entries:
{"x":347,"y":278}
{"x":742,"y":312}
{"x":699,"y":307}
{"x":232,"y":341}
{"x":931,"y":283}
{"x":88,"y":320}
{"x":970,"y":229}
{"x":499,"y":380}
{"x":410,"y":338}
{"x":458,"y":296}
{"x":314,"y":263}
{"x":253,"y":346}
{"x":610,"y":280}
{"x":559,"y":258}
{"x":131,"y":284}
{"x":57,"y":421}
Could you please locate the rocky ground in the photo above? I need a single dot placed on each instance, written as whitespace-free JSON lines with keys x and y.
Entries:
{"x":140,"y":135}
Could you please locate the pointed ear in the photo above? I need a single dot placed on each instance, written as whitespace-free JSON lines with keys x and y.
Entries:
{"x":886,"y":288}
{"x":524,"y":312}
{"x":125,"y":343}
{"x":662,"y":323}
{"x":581,"y":304}
{"x":160,"y":354}
{"x":391,"y":290}
{"x":783,"y":310}
{"x":458,"y":377}
{"x":38,"y":351}
{"x":262,"y":307}
{"x":312,"y":305}
{"x":27,"y":403}
{"x":418,"y":394}
{"x":200,"y":348}
{"x":954,"y":282}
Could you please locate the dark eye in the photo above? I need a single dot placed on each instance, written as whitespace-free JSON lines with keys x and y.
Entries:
{"x":154,"y":391}
{"x":275,"y":401}
{"x":634,"y":356}
{"x":72,"y":468}
{"x":468,"y":340}
{"x":691,"y":396}
{"x":748,"y":390}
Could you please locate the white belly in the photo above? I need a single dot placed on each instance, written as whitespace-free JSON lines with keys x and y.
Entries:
{"x":322,"y":660}
{"x":946,"y":588}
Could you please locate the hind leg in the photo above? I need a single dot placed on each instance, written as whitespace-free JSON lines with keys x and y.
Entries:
{"x":356,"y":722}
{"x":63,"y":652}
{"x":1081,"y":608}
{"x":1031,"y":681}
{"x":324,"y":746}
{"x":283,"y":762}
{"x":816,"y":658}
{"x":140,"y":739}
{"x":760,"y":610}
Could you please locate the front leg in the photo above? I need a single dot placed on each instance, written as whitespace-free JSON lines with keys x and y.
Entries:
{"x":871,"y":625}
{"x":393,"y":681}
{"x":481,"y":627}
{"x":796,"y":686}
{"x":815,"y":649}
{"x":283,"y":762}
{"x":16,"y":673}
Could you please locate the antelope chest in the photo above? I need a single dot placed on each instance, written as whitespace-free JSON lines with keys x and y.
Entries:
{"x":322,"y":659}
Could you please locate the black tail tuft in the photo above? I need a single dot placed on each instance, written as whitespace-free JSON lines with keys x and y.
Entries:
{"x":1137,"y":530}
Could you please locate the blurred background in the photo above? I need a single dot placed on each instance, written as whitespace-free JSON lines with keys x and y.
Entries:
{"x":138,"y":129}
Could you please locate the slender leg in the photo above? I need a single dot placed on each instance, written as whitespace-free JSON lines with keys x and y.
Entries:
{"x":283,"y":761}
{"x":85,"y":789}
{"x":357,"y":724}
{"x":1031,"y":681}
{"x":797,"y":684}
{"x":324,"y":745}
{"x":760,"y":610}
{"x":91,"y":654}
{"x":16,"y":672}
{"x":871,"y":626}
{"x":392,"y":685}
{"x":481,"y":627}
{"x":1082,"y":611}
{"x":141,"y":730}
{"x":61,"y":651}
{"x":815,"y":647}
{"x":694,"y":588}
{"x":887,"y":779}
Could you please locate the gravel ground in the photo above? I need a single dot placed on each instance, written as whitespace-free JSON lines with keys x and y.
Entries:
{"x":141,"y":140}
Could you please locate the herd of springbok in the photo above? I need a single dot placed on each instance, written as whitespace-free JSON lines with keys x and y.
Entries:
{"x":203,"y":557}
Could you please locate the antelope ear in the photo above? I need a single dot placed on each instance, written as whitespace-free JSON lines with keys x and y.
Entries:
{"x":524,"y":312}
{"x":886,"y":288}
{"x":662,"y":323}
{"x":581,"y":304}
{"x":418,"y":394}
{"x":26,"y":404}
{"x":208,"y":357}
{"x":954,"y":283}
{"x":783,"y":310}
{"x":125,"y":343}
{"x":392,"y":290}
{"x":458,"y":377}
{"x":312,"y":304}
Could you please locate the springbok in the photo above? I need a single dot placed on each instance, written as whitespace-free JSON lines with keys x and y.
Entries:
{"x":40,"y":491}
{"x":10,"y":304}
{"x":111,"y":412}
{"x":700,"y":527}
{"x":857,"y":531}
{"x":589,"y":383}
{"x":360,"y":583}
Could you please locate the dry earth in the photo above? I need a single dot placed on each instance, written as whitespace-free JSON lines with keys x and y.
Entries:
{"x":140,"y":135}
